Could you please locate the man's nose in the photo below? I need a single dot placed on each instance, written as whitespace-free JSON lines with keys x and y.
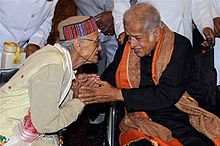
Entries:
{"x":133,"y":42}
{"x":99,"y":47}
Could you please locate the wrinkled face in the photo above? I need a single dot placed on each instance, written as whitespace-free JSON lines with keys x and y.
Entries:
{"x":89,"y":47}
{"x":141,"y":42}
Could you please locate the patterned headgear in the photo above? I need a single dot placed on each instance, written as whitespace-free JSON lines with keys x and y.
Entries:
{"x":76,"y":26}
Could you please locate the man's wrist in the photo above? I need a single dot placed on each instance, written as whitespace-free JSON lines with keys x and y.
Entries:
{"x":119,"y":95}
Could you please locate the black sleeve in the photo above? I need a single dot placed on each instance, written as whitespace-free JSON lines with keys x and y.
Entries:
{"x":172,"y":83}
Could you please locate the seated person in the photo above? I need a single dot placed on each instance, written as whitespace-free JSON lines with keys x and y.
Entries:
{"x":150,"y":74}
{"x":37,"y":100}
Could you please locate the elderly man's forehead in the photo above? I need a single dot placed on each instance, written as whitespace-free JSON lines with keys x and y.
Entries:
{"x":134,"y":25}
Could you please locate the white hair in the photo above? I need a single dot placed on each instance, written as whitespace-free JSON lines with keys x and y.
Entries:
{"x":145,"y":14}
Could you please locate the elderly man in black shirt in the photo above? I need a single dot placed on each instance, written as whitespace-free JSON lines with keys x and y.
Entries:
{"x":150,"y":74}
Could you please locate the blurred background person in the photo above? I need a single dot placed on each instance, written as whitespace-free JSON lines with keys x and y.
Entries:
{"x":27,"y":23}
{"x":176,"y":14}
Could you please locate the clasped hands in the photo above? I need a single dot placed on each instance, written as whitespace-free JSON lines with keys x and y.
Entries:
{"x":89,"y":89}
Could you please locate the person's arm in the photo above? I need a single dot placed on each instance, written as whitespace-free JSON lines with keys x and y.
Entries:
{"x":40,"y":36}
{"x":202,"y":17}
{"x":120,"y":6}
{"x":44,"y":92}
{"x":215,"y":7}
{"x":216,"y":21}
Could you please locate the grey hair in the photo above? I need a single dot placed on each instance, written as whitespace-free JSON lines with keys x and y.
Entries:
{"x":68,"y":44}
{"x":145,"y":14}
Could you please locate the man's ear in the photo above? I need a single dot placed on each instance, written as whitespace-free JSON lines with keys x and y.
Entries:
{"x":157,"y":33}
{"x":76,"y":44}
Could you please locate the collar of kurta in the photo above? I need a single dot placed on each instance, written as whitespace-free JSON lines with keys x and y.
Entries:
{"x":69,"y":73}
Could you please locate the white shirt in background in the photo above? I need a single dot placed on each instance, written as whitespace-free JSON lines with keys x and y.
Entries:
{"x":215,"y":7}
{"x":176,"y":14}
{"x":26,"y":21}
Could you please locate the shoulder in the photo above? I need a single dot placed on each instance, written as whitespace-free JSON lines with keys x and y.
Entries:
{"x":183,"y":49}
{"x":182,"y":43}
{"x":47,"y":55}
{"x":181,"y":40}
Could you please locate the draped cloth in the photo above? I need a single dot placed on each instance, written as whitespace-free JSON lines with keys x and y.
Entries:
{"x":137,"y":125}
{"x":202,"y":120}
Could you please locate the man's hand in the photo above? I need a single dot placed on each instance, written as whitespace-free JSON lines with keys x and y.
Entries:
{"x":209,"y":35}
{"x":82,"y":79}
{"x":216,"y":21}
{"x":121,"y":38}
{"x":104,"y":93}
{"x":30,"y":49}
{"x":105,"y":22}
